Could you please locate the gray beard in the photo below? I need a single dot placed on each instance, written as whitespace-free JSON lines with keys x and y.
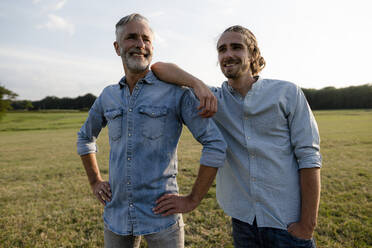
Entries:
{"x":134,"y":65}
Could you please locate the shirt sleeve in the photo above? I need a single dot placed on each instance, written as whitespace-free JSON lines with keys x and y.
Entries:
{"x":204,"y":131}
{"x":88,"y":134}
{"x":304,"y":132}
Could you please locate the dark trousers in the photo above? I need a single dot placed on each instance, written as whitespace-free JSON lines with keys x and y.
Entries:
{"x":251,"y":236}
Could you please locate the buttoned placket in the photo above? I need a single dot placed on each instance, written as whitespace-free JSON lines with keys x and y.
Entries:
{"x":252,"y":162}
{"x":131,"y":99}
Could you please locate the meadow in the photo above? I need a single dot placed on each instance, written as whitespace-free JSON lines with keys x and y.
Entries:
{"x":45,"y":199}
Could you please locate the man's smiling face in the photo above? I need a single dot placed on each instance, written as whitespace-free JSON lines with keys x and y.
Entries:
{"x":233,"y":55}
{"x":135,"y":46}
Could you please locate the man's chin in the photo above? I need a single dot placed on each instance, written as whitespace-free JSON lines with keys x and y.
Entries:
{"x":137,"y":68}
{"x":230,"y":75}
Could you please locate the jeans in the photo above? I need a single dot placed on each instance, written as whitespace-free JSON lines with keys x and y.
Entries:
{"x":172,"y":237}
{"x":246,"y":235}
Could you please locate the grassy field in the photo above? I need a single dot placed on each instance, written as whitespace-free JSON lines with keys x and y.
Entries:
{"x":45,"y":199}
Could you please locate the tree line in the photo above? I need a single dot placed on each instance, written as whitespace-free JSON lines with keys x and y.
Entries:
{"x":353,"y":97}
{"x":53,"y":102}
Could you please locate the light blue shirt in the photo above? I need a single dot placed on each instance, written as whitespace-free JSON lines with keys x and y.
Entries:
{"x":271,"y":133}
{"x":144,"y":129}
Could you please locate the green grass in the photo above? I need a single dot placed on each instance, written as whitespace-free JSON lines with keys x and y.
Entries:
{"x":45,"y":199}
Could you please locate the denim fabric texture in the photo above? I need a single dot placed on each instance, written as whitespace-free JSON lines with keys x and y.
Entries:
{"x":251,"y":236}
{"x":144,"y":129}
{"x":271,"y":133}
{"x":172,"y":237}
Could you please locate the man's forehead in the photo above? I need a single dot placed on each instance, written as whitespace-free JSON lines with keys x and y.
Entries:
{"x":229,"y":38}
{"x":138,"y":27}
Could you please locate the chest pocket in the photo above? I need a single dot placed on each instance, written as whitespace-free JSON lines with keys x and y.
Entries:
{"x":153,"y":121}
{"x":114,"y":120}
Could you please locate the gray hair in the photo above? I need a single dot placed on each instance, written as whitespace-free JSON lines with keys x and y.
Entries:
{"x":127,"y":19}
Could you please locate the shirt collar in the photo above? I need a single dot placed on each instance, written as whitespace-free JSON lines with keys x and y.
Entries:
{"x":255,"y":86}
{"x":148,"y":79}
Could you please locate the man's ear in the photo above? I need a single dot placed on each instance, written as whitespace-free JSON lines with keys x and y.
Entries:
{"x":117,"y":48}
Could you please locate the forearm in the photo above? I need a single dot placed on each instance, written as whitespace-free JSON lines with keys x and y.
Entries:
{"x":202,"y":183}
{"x":310,"y":196}
{"x":171,"y":73}
{"x":91,"y":168}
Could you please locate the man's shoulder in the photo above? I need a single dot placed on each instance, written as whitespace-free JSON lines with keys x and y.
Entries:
{"x":278,"y":85}
{"x":110,"y":94}
{"x":278,"y":82}
{"x":154,"y":80}
{"x":111,"y":88}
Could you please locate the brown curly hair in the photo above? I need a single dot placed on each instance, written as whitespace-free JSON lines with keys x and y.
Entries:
{"x":257,"y":61}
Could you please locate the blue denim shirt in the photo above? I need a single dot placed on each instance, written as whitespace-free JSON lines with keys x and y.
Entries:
{"x":144,"y":129}
{"x":271,"y":133}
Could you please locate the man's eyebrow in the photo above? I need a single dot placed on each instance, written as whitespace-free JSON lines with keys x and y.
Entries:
{"x":236,"y":44}
{"x":221,"y":46}
{"x":132,"y":34}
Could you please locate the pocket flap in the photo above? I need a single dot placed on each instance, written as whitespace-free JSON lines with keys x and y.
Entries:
{"x":112,"y":114}
{"x":153,"y":111}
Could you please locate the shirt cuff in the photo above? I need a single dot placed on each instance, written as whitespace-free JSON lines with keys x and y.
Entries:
{"x":213,"y":159}
{"x":86,"y":148}
{"x":310,"y":162}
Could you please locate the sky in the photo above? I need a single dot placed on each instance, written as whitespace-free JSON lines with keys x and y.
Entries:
{"x":64,"y":48}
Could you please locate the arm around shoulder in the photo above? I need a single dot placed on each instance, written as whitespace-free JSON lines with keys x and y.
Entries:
{"x":171,"y":73}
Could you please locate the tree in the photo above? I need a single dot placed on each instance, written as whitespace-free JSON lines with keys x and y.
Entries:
{"x":5,"y":99}
{"x":22,"y":105}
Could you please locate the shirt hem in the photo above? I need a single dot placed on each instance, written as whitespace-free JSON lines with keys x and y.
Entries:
{"x":139,"y":233}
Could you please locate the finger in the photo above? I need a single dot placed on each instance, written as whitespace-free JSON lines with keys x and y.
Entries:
{"x":208,"y":104}
{"x":290,"y":228}
{"x":164,"y":204}
{"x":215,"y":104}
{"x":164,"y":197}
{"x":99,"y":197}
{"x":202,"y":103}
{"x":203,"y":113}
{"x":105,"y":195}
{"x":164,"y":208}
{"x":170,"y":212}
{"x":107,"y":189}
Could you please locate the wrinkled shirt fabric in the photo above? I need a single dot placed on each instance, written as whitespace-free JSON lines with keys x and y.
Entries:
{"x":144,"y":129}
{"x":271,"y":133}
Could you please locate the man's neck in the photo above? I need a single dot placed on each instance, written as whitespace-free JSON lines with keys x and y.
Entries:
{"x":132,"y":78}
{"x":242,"y":84}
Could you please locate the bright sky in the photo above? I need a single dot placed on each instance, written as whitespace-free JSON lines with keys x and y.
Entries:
{"x":64,"y":47}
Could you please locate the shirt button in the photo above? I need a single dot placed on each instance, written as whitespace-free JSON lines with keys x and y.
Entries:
{"x":129,"y":134}
{"x":131,"y":205}
{"x":128,"y":182}
{"x":130,"y":110}
{"x":248,"y":137}
{"x":128,"y":159}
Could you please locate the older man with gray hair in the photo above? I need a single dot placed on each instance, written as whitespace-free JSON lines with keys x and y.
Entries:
{"x":145,"y":118}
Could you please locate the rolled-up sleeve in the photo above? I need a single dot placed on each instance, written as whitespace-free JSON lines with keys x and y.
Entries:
{"x":304,"y":133}
{"x":204,"y":131}
{"x":88,"y":134}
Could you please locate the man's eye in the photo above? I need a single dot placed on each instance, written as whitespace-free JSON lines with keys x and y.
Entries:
{"x":236,"y":47}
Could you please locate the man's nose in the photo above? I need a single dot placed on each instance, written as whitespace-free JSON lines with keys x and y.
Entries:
{"x":227,"y":54}
{"x":140,"y":43}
